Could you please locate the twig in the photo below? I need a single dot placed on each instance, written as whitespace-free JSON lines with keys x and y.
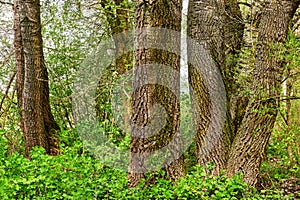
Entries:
{"x":290,"y":98}
{"x":7,"y":3}
{"x":8,"y":107}
{"x":284,"y":118}
{"x":7,"y":89}
{"x":7,"y":58}
{"x":245,"y":4}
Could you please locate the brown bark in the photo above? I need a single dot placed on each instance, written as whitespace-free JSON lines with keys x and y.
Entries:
{"x":161,"y":14}
{"x":253,"y":134}
{"x":37,"y":122}
{"x":218,"y":27}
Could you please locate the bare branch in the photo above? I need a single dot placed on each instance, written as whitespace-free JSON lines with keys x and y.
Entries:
{"x":7,"y":89}
{"x":245,"y":4}
{"x":290,"y":98}
{"x":7,"y":58}
{"x":6,"y":3}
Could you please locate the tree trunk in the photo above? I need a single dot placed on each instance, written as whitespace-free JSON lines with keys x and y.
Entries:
{"x":216,"y":25}
{"x":255,"y":130}
{"x":37,"y":122}
{"x":119,"y":23}
{"x":149,"y":50}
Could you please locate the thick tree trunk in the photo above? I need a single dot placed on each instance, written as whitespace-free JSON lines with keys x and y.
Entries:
{"x":218,"y":27}
{"x":254,"y":132}
{"x":37,"y":122}
{"x":160,"y":14}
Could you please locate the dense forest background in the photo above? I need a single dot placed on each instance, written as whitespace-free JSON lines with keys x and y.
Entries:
{"x":235,"y":66}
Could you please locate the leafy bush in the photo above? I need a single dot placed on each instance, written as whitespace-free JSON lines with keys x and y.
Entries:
{"x":73,"y":175}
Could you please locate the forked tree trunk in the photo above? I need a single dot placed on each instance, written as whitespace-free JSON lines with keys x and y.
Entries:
{"x":216,"y":25}
{"x":37,"y":122}
{"x":159,"y":14}
{"x":253,"y":134}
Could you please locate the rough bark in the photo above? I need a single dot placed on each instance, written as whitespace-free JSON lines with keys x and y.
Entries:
{"x":218,"y":27}
{"x":161,"y":14}
{"x":253,"y":134}
{"x":243,"y":76}
{"x":37,"y":122}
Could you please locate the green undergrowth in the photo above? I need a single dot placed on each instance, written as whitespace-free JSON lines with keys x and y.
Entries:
{"x":75,"y":174}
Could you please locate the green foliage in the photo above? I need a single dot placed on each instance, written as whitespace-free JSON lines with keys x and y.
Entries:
{"x":71,"y":30}
{"x":197,"y":185}
{"x":74,"y":175}
{"x":65,"y":176}
{"x":281,"y":170}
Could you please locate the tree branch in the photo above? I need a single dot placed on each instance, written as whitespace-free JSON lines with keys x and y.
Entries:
{"x":6,"y":3}
{"x":7,"y":89}
{"x":7,"y":58}
{"x":245,"y":4}
{"x":290,"y":98}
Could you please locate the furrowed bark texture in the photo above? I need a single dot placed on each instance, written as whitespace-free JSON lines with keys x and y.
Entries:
{"x":206,"y":25}
{"x":159,"y":14}
{"x":37,"y":122}
{"x":218,"y":27}
{"x":253,"y":134}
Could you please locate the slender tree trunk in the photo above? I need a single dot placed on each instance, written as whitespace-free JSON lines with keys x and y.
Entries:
{"x":37,"y":122}
{"x":287,"y":90}
{"x":117,"y":13}
{"x":253,"y":134}
{"x":288,"y":110}
{"x":160,"y":14}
